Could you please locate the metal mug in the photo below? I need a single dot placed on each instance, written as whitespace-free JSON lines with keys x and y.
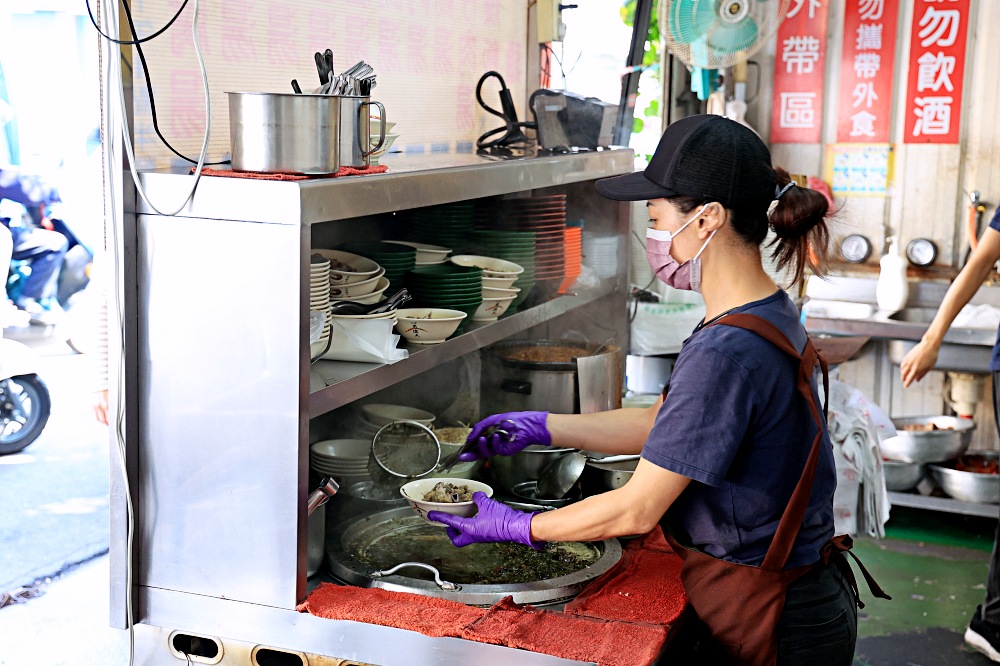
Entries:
{"x":355,"y":130}
{"x":285,"y":132}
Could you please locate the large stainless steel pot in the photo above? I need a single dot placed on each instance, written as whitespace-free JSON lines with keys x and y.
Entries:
{"x":345,"y":566}
{"x":513,"y":384}
{"x":285,"y":133}
{"x":969,"y":486}
{"x":928,"y":446}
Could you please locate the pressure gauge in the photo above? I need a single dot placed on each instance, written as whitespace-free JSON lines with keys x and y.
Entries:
{"x":921,"y":252}
{"x":855,"y":248}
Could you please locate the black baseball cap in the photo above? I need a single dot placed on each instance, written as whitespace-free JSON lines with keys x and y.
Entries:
{"x":702,"y":156}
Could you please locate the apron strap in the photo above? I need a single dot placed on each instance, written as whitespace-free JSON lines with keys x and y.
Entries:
{"x":791,"y":519}
{"x":834,"y":551}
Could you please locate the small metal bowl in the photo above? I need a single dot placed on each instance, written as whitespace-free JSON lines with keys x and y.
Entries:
{"x":902,"y":476}
{"x":527,"y":492}
{"x":969,"y":486}
{"x":928,"y":446}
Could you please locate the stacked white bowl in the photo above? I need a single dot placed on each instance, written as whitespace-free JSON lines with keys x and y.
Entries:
{"x":319,"y":297}
{"x":498,"y":279}
{"x":344,"y":459}
{"x":427,"y":254}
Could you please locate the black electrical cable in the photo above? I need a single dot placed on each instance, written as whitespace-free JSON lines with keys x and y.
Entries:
{"x":136,"y":41}
{"x":149,"y":83}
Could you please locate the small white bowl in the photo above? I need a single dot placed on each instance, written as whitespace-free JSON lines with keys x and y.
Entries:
{"x":342,"y":449}
{"x":428,"y":324}
{"x":499,"y":282}
{"x":492,"y":267}
{"x":362,"y":268}
{"x":389,"y":140}
{"x":491,"y":308}
{"x":391,"y":314}
{"x":350,"y":291}
{"x":426,"y":253}
{"x":414,"y":493}
{"x":494,"y":292}
{"x":381,"y":414}
{"x":376,"y":121}
{"x":374,"y":297}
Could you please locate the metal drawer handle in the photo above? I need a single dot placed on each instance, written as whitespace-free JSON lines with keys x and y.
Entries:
{"x":443,"y":584}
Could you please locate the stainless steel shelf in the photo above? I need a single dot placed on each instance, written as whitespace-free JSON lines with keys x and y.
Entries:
{"x":946,"y":504}
{"x":413,"y":181}
{"x":346,"y":382}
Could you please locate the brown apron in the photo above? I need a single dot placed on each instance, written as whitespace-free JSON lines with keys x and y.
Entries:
{"x":742,"y":604}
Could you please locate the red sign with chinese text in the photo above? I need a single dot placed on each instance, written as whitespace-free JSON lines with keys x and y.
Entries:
{"x":797,"y":110}
{"x":866,"y":69}
{"x":937,"y":68}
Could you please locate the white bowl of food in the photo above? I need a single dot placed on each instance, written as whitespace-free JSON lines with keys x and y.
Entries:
{"x":445,"y":494}
{"x":498,"y":282}
{"x":350,"y":291}
{"x":428,"y":324}
{"x":492,"y":267}
{"x":491,"y":308}
{"x":381,"y":414}
{"x":495,"y":292}
{"x":426,"y":253}
{"x":348,"y":268}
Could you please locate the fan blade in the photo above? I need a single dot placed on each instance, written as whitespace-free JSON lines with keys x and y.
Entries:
{"x":726,"y":39}
{"x":690,"y":19}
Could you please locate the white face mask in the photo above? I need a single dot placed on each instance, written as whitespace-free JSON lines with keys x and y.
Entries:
{"x":679,"y":276}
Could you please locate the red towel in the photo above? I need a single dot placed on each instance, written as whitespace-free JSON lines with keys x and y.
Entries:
{"x":644,"y":586}
{"x":428,"y":615}
{"x":609,"y":643}
{"x":344,"y":171}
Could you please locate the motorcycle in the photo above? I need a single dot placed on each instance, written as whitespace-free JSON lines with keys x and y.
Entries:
{"x":25,"y":402}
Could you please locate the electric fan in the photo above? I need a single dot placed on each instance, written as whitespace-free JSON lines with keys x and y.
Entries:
{"x":716,"y":34}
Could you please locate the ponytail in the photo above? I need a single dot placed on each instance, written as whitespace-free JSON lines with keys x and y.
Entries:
{"x":799,"y":223}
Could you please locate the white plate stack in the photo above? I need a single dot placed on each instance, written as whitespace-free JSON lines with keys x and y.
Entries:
{"x":344,"y":459}
{"x":319,"y":296}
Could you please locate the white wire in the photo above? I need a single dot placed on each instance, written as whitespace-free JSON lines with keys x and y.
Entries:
{"x":124,"y":118}
{"x":113,"y":78}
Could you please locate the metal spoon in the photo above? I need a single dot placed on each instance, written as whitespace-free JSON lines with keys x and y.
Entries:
{"x":558,"y":477}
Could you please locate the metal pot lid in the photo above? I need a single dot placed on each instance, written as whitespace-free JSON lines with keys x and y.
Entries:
{"x":361,"y":547}
{"x":557,"y":355}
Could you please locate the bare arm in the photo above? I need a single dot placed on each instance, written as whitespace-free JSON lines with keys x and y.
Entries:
{"x":617,"y":431}
{"x":633,"y":509}
{"x":922,"y":358}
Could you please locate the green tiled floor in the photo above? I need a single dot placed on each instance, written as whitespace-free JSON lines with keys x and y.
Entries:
{"x":934,"y":565}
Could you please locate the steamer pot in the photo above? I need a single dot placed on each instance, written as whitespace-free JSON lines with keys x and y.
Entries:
{"x":345,"y":565}
{"x":515,"y":384}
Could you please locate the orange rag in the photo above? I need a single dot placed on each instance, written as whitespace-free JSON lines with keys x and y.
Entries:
{"x":428,"y":615}
{"x":644,"y":586}
{"x":606,"y":642}
{"x":254,"y":175}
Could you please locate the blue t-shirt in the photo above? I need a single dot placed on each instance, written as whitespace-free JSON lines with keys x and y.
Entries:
{"x":995,"y":360}
{"x":734,"y":422}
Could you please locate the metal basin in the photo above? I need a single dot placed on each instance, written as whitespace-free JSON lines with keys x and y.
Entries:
{"x":972,"y":357}
{"x":901,"y":476}
{"x":928,"y":446}
{"x":968,"y":486}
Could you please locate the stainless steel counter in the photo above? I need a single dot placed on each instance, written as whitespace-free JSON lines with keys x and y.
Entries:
{"x":220,"y":443}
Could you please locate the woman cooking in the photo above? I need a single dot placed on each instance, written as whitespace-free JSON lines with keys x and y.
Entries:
{"x":739,"y":430}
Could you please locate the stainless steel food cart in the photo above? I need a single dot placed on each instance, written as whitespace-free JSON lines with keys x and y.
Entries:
{"x":220,"y":397}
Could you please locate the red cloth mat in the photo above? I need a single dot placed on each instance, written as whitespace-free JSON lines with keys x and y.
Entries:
{"x":620,"y":619}
{"x":428,"y":615}
{"x":253,"y":175}
{"x":644,"y":586}
{"x":607,"y":642}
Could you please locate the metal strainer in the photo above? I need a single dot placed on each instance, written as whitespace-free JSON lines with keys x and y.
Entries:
{"x":401,"y":451}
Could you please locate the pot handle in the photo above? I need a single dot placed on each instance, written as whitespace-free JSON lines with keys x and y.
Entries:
{"x":381,"y":139}
{"x":443,"y":584}
{"x":515,"y":386}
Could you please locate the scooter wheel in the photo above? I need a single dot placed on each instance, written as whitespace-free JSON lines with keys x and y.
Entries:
{"x":24,"y":410}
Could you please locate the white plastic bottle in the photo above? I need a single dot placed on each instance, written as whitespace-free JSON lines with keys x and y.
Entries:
{"x":892,"y":289}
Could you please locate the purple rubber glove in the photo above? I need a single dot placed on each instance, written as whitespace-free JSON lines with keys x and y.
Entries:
{"x":493,"y":522}
{"x":522,"y":429}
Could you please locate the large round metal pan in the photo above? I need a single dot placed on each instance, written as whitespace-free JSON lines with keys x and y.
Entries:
{"x":342,"y":556}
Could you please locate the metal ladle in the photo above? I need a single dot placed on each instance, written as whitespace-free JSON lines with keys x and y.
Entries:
{"x":558,"y":477}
